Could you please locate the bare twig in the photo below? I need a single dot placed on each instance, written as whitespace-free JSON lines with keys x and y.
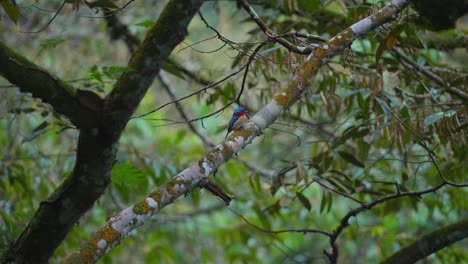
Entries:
{"x":291,"y":230}
{"x":333,"y":255}
{"x":165,"y":83}
{"x":279,"y":38}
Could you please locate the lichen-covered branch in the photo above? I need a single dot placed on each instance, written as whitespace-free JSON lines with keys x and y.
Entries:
{"x":430,"y":243}
{"x":30,"y":78}
{"x":197,"y":174}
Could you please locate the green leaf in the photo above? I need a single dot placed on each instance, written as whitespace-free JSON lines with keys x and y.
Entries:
{"x":385,"y":107}
{"x":339,"y":68}
{"x":404,"y":112}
{"x":170,"y":68}
{"x":95,"y":74}
{"x":338,"y":184}
{"x":114,"y":71}
{"x":327,"y":162}
{"x":254,"y":181}
{"x":146,"y":24}
{"x":262,"y":217}
{"x":300,"y":172}
{"x":323,"y":203}
{"x":51,"y":43}
{"x":431,"y":119}
{"x":277,"y":183}
{"x":351,"y":158}
{"x":359,"y":133}
{"x":228,"y":91}
{"x":102,"y":4}
{"x":39,"y":130}
{"x":364,"y":104}
{"x":127,"y":174}
{"x":22,"y":110}
{"x":304,"y":201}
{"x":404,"y":176}
{"x":459,"y":82}
{"x":330,"y":201}
{"x":351,"y":132}
{"x":179,"y":136}
{"x":420,"y":39}
{"x":269,"y":50}
{"x":379,"y":52}
{"x":12,"y":10}
{"x":310,"y":6}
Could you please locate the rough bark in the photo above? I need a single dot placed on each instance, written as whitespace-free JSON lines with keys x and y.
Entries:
{"x":33,"y":79}
{"x":97,"y":145}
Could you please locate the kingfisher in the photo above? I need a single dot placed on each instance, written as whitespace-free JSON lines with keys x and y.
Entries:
{"x":238,"y":118}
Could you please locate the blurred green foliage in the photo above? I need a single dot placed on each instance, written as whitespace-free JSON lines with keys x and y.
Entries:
{"x":360,"y":131}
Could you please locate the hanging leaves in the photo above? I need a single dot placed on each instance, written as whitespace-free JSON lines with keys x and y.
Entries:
{"x":351,"y":158}
{"x":304,"y":201}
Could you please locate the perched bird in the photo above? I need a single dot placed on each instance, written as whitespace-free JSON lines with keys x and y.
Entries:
{"x":237,"y":120}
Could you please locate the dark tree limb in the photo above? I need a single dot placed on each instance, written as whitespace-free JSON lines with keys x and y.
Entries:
{"x":430,"y":243}
{"x":33,"y":79}
{"x":97,"y":144}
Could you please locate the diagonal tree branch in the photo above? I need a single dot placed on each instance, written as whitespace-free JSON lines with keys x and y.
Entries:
{"x":120,"y":225}
{"x":430,"y":243}
{"x":33,"y":79}
{"x":452,"y":90}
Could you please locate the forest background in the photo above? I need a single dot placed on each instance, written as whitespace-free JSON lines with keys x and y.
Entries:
{"x":371,"y":157}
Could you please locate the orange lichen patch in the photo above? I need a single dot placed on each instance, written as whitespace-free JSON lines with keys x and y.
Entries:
{"x":320,"y":52}
{"x":378,"y":17}
{"x":309,"y":68}
{"x":156,"y":196}
{"x":227,"y":151}
{"x":171,"y":186}
{"x":282,"y":99}
{"x":110,"y":234}
{"x":342,"y":38}
{"x":142,"y":208}
{"x":243,"y":133}
{"x":88,"y":251}
{"x":212,"y":155}
{"x":290,"y":87}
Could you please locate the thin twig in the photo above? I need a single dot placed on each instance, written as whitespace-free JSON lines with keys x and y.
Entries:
{"x":305,"y":50}
{"x":165,"y":83}
{"x":292,"y":230}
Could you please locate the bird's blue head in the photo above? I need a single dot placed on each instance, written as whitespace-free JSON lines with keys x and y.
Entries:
{"x":239,"y":109}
